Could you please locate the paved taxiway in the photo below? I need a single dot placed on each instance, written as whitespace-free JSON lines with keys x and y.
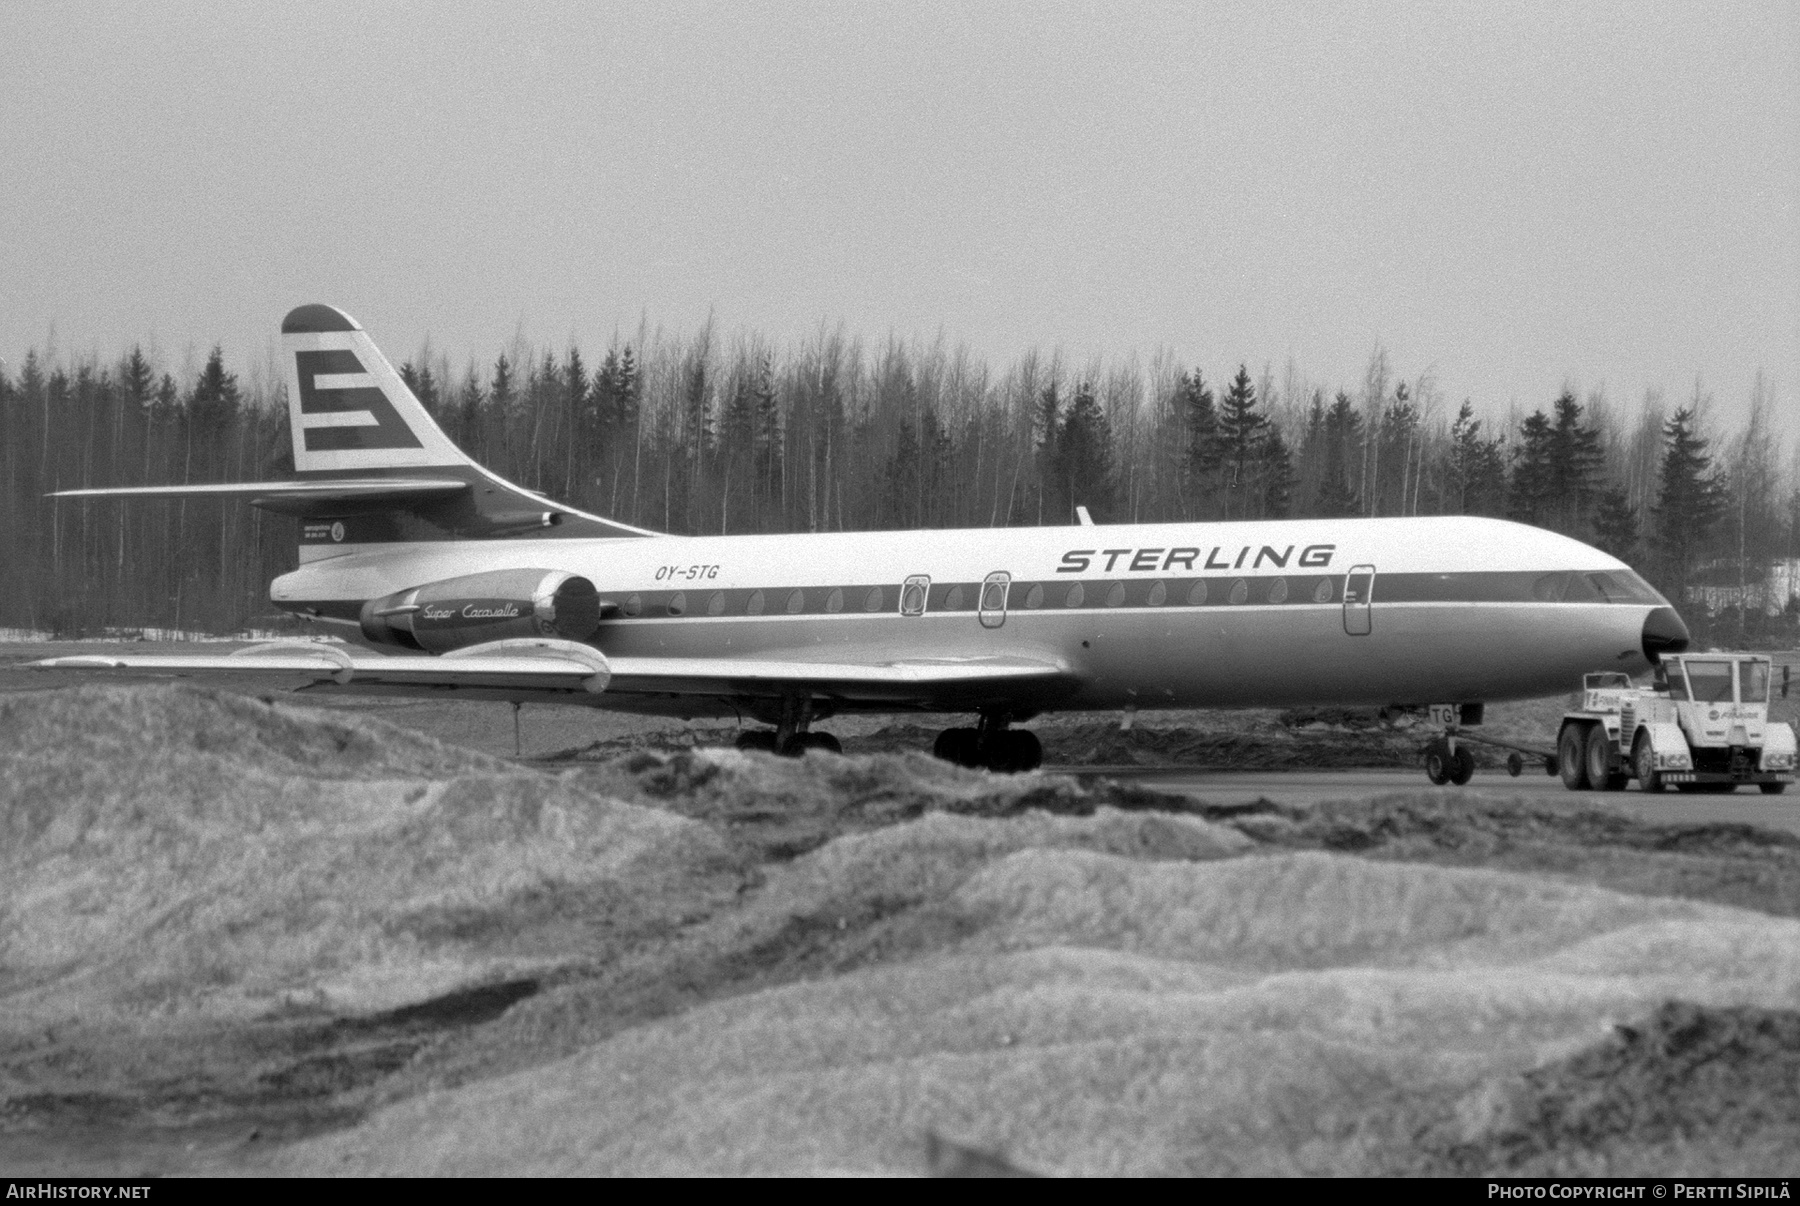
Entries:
{"x":1306,"y":788}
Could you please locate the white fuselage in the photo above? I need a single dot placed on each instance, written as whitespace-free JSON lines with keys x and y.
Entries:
{"x":1379,"y":611}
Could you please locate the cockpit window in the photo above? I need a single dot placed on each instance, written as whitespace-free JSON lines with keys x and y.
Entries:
{"x":1710,"y":682}
{"x":1623,"y":586}
{"x":1753,"y":682}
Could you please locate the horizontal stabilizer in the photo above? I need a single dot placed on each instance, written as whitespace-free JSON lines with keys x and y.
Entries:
{"x":308,"y":498}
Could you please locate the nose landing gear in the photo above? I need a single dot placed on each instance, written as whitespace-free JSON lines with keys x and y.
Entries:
{"x":992,"y":745}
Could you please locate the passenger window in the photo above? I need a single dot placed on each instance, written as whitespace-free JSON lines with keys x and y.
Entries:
{"x":874,"y":601}
{"x":1034,"y":598}
{"x":835,"y":601}
{"x":715,"y":606}
{"x":914,"y":595}
{"x":1322,"y":592}
{"x":1159,"y":594}
{"x":1278,"y":592}
{"x":1075,"y":597}
{"x":954,"y":600}
{"x":755,"y":606}
{"x":993,"y":596}
{"x":796,"y":603}
{"x":678,"y":604}
{"x":1116,"y":595}
{"x":634,"y":606}
{"x":1197,"y":594}
{"x":1240,"y":592}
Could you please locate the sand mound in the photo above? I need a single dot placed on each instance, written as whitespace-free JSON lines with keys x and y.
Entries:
{"x":1722,"y":863}
{"x":170,"y":851}
{"x":777,"y":808}
{"x":1100,"y":1014}
{"x":1692,"y":1091}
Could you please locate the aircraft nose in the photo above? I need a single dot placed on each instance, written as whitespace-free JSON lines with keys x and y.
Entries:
{"x":1664,"y":633}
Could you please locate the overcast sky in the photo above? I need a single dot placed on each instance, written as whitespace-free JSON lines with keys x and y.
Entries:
{"x":1514,"y":195}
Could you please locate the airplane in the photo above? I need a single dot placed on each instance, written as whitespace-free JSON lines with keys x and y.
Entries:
{"x":448,"y":581}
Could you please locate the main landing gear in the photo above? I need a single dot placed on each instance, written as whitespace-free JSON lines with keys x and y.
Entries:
{"x":792,"y":735}
{"x":991,"y":745}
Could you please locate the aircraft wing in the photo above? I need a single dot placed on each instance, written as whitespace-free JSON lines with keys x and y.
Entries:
{"x":534,"y":667}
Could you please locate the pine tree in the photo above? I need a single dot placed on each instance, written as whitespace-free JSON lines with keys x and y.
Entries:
{"x":214,"y":403}
{"x":1616,"y":524}
{"x":1276,"y":471}
{"x":136,"y":377}
{"x":1048,"y":424}
{"x":1688,"y":502}
{"x":468,"y":414}
{"x":768,"y":426}
{"x":1477,"y":470}
{"x":1084,"y":457}
{"x":501,"y":393}
{"x":1531,"y":495}
{"x":1343,"y":449}
{"x":1240,"y":435}
{"x":1200,"y":422}
{"x":1573,"y":467}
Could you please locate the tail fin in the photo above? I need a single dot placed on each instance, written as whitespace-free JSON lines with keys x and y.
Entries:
{"x":349,"y":410}
{"x":361,"y":440}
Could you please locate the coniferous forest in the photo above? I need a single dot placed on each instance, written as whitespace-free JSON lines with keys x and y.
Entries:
{"x":697,"y":434}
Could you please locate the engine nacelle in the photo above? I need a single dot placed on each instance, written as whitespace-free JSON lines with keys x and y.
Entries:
{"x":477,"y":608}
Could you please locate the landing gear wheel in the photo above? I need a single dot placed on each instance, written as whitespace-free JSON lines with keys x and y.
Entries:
{"x":1571,"y":746}
{"x":1772,"y":789}
{"x":1515,"y":765}
{"x":1437,"y":762}
{"x":1018,"y":750}
{"x":761,"y":741}
{"x":1643,"y":761}
{"x":961,"y":746}
{"x":799,"y":743}
{"x":1462,"y":766}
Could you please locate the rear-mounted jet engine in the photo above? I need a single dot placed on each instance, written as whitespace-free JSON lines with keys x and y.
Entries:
{"x":476,"y":608}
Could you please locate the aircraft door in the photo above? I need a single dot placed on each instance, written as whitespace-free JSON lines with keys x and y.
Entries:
{"x":993,"y":598}
{"x":1359,"y":593}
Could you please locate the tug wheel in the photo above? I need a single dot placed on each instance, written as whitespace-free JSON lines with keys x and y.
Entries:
{"x":1462,"y":766}
{"x":1643,"y":761}
{"x":1571,"y":748}
{"x":1598,"y":751}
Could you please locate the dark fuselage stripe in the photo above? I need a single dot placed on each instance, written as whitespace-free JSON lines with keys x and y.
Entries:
{"x":1104,"y":594}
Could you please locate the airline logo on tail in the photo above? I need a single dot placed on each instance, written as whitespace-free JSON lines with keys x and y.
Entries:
{"x":341,"y":407}
{"x":349,"y":409}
